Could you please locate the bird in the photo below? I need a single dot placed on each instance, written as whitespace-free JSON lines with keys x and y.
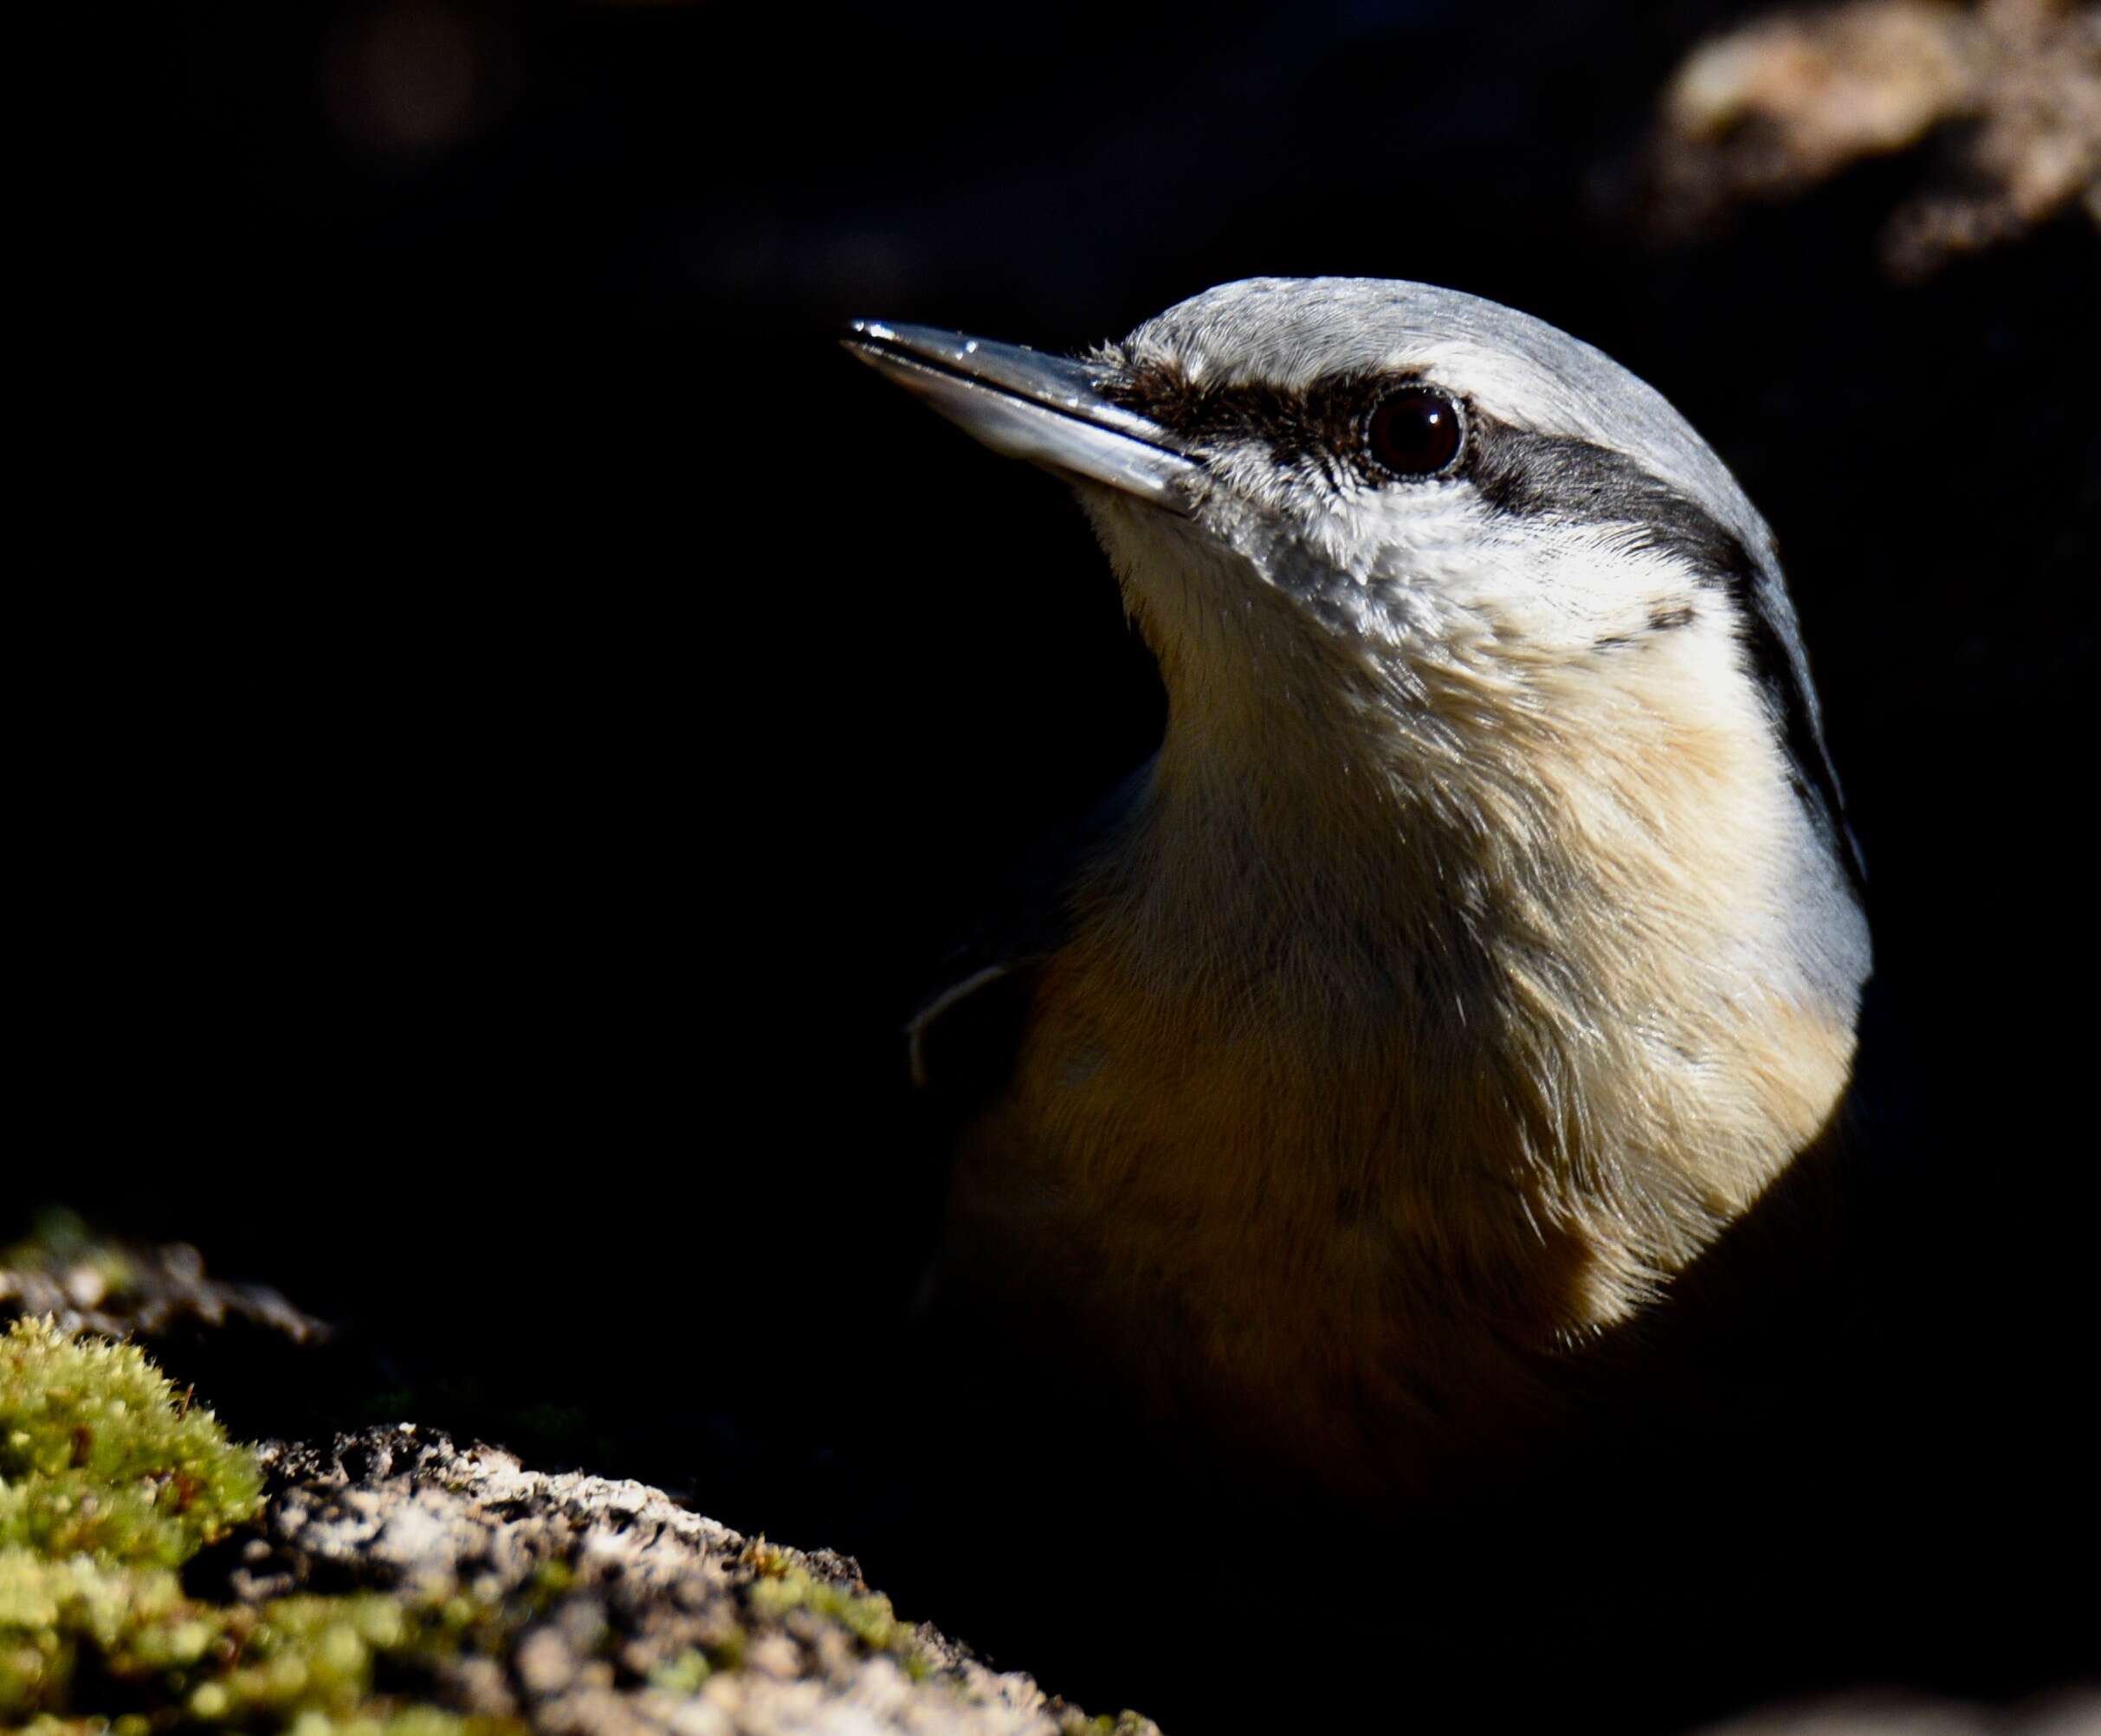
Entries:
{"x":1483,"y":947}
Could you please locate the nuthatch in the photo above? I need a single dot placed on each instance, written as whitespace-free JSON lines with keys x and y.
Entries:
{"x":1486,"y":938}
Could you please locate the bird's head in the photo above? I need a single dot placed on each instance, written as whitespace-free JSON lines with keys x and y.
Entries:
{"x":1360,"y":519}
{"x":1429,"y":477}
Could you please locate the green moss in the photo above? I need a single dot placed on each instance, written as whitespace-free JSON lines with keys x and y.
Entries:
{"x":109,"y":1481}
{"x":683,"y":1674}
{"x":99,"y":1456}
{"x":783,"y":1585}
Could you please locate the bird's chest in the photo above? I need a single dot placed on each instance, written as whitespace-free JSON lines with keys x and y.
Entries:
{"x":1266,"y":1212}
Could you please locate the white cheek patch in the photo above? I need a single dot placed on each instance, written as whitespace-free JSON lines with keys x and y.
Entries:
{"x":1438,"y":551}
{"x":1562,"y":590}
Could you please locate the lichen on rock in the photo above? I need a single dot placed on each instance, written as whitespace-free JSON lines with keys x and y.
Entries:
{"x":155,"y":1576}
{"x":637,"y":1614}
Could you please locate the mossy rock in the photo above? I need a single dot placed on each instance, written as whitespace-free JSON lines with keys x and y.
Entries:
{"x":393,"y":1585}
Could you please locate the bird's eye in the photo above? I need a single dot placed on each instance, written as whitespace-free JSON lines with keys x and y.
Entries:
{"x":1416,"y":431}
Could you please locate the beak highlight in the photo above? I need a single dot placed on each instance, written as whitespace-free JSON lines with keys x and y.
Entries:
{"x":1025,"y":404}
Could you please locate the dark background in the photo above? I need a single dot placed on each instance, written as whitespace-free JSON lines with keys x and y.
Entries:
{"x":521,"y":710}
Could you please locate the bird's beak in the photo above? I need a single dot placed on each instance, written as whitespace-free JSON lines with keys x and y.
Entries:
{"x":1045,"y":409}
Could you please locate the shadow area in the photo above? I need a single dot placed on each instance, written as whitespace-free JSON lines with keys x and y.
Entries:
{"x":1847,"y":1462}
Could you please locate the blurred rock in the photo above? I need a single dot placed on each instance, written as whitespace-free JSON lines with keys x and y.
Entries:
{"x":90,"y":1283}
{"x":2005,"y":95}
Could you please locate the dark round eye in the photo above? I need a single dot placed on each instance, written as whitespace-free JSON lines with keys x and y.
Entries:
{"x":1416,"y":431}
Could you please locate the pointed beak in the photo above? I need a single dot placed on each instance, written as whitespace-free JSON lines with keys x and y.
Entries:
{"x":1045,"y":409}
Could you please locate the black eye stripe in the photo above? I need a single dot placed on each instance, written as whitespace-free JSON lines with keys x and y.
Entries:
{"x":1324,"y":423}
